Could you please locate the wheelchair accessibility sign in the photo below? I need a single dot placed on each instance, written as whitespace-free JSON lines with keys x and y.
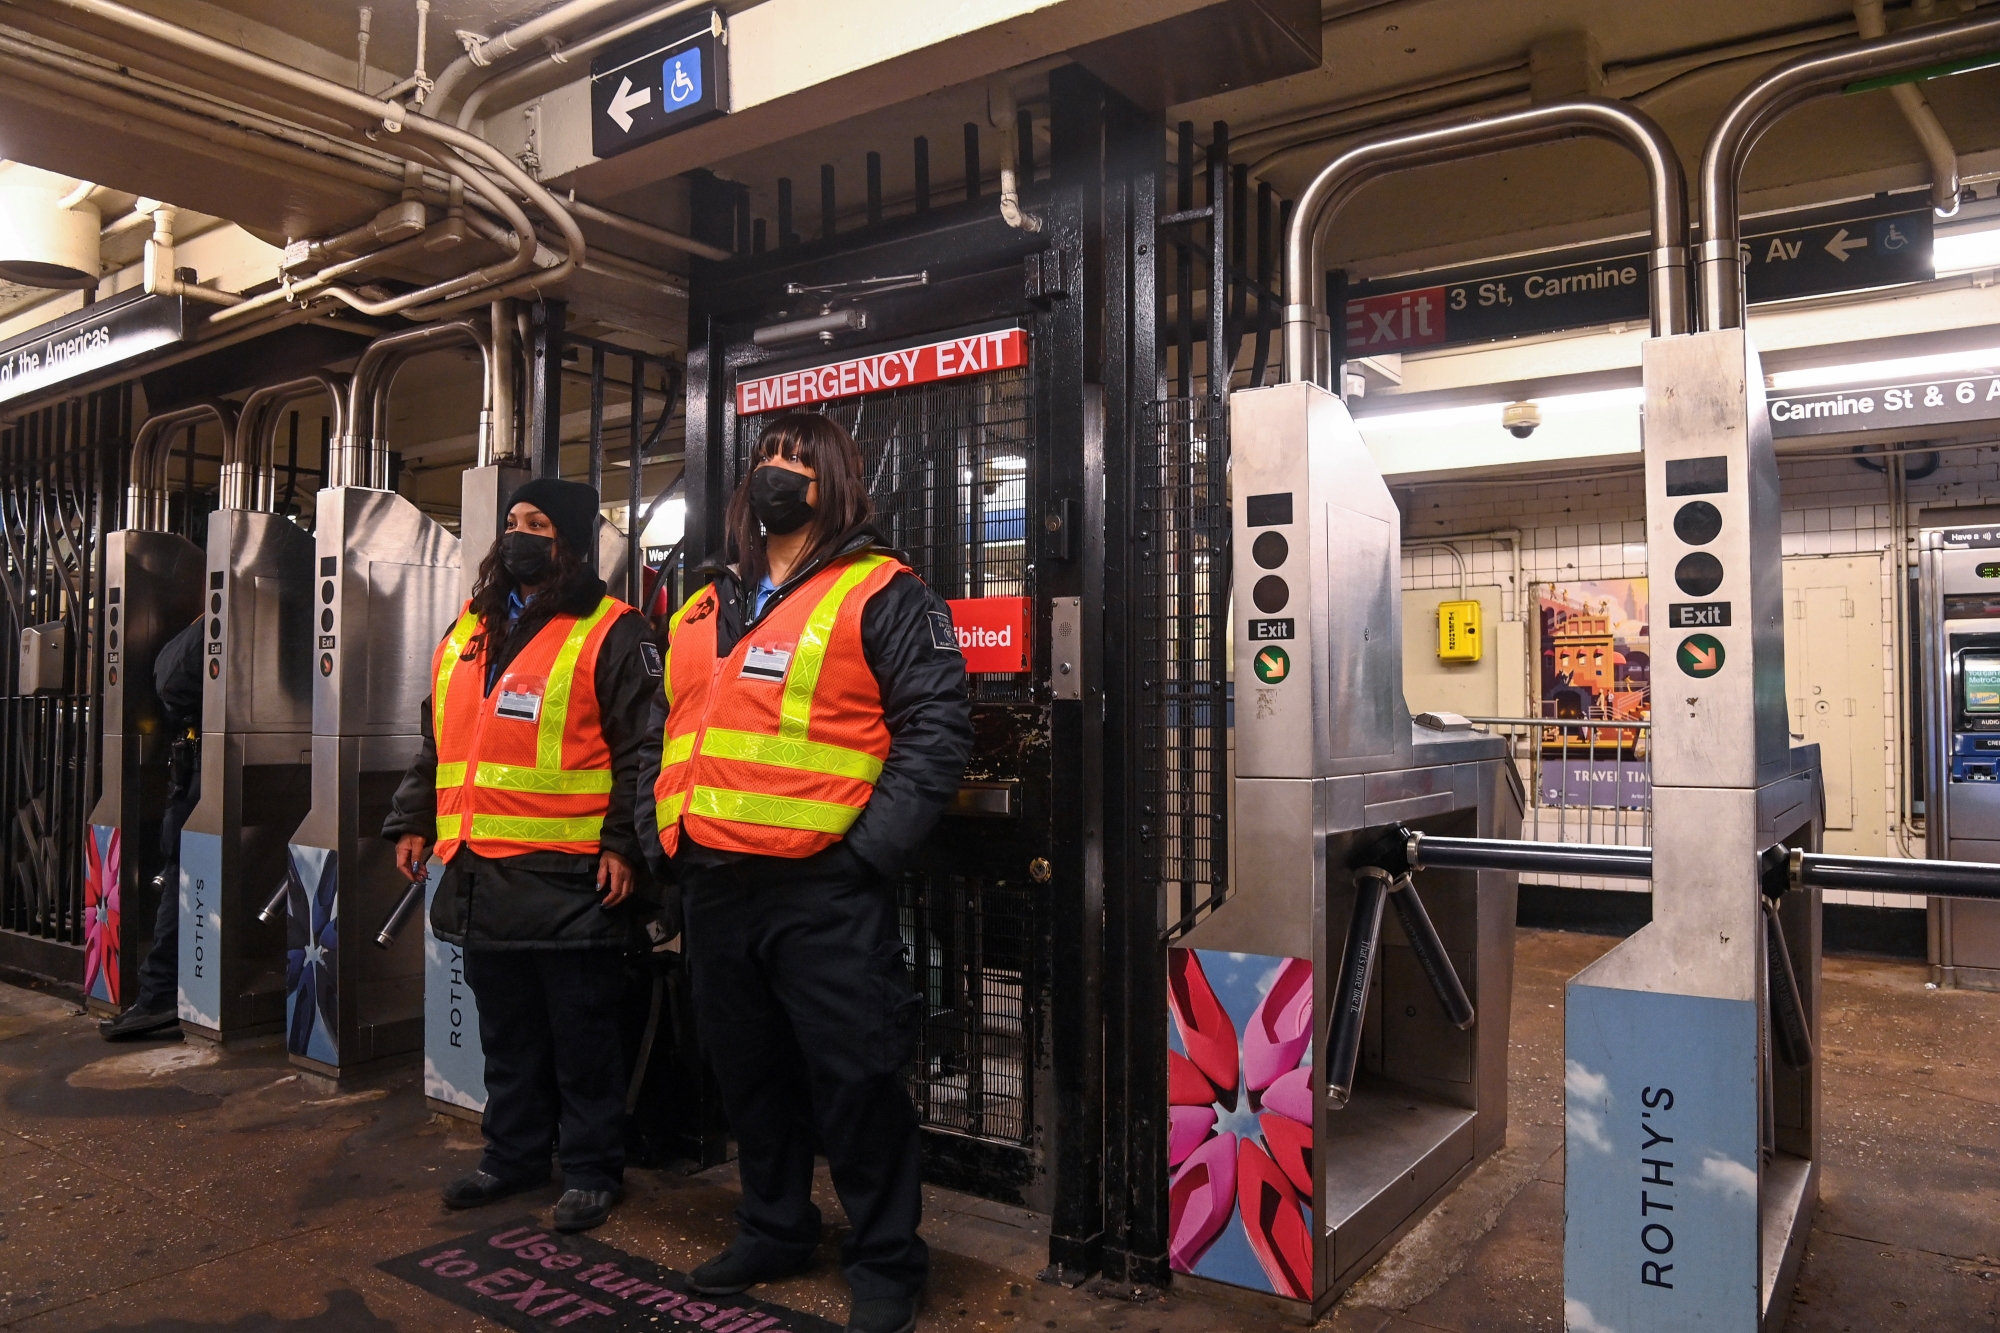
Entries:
{"x":658,"y":82}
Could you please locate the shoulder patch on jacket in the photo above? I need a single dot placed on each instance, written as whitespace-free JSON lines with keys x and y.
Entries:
{"x":943,"y":637}
{"x":649,"y":655}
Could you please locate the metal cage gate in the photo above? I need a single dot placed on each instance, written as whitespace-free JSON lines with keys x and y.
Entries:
{"x":62,"y":480}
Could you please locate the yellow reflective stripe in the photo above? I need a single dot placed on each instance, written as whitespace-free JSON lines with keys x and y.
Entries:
{"x":450,"y":775}
{"x":746,"y":807}
{"x":788,"y":752}
{"x":679,"y":750}
{"x":461,"y":634}
{"x":670,"y":809}
{"x":555,"y":697}
{"x":795,"y":713}
{"x":550,"y":781}
{"x":509,"y":828}
{"x":448,"y":827}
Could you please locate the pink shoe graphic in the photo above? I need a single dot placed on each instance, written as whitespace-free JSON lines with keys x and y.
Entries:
{"x":1186,"y":1086}
{"x":1187,"y":1127}
{"x":1281,"y":1029}
{"x":1292,"y":1095}
{"x":1200,"y":1200}
{"x":1205,"y":1028}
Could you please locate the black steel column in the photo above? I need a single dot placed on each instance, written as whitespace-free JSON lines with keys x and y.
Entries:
{"x":1133,"y":977}
{"x":545,"y":330}
{"x":1073,"y":484}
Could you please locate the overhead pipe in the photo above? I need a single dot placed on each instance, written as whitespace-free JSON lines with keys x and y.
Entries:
{"x":1000,"y":111}
{"x":362,"y":459}
{"x":1923,"y":121}
{"x":481,"y":51}
{"x":247,"y":478}
{"x":146,"y":492}
{"x":1339,"y":180}
{"x":393,"y":117}
{"x":1769,"y":99}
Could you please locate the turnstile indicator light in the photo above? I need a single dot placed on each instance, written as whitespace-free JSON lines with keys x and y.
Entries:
{"x":114,"y":610}
{"x":114,"y":638}
{"x":329,"y":565}
{"x":215,"y":603}
{"x":214,"y":668}
{"x":1268,"y":511}
{"x":215,"y":578}
{"x":1698,"y":476}
{"x":1272,"y":665}
{"x":215,"y":629}
{"x":326,"y":619}
{"x":1698,"y":574}
{"x":1989,"y":570}
{"x":1700,"y":655}
{"x":1697,"y":522}
{"x":1271,"y":594}
{"x":326,"y":664}
{"x":326,"y":591}
{"x":113,"y":594}
{"x":1270,"y":550}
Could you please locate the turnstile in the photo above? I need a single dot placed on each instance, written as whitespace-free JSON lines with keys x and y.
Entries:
{"x":256,"y":752}
{"x":1960,"y":624}
{"x":152,"y":592}
{"x":1280,"y":1183}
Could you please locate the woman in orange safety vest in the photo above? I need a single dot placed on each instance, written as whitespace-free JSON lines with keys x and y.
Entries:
{"x":532,"y":756}
{"x":813,"y":726}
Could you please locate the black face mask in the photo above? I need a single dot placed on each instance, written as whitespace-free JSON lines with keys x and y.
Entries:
{"x":526,"y":556}
{"x":778,"y":499}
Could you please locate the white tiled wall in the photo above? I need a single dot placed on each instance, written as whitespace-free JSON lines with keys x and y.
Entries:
{"x":1587,"y":527}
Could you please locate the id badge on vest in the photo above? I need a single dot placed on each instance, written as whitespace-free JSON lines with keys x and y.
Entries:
{"x":768,"y":663}
{"x":520,"y":697}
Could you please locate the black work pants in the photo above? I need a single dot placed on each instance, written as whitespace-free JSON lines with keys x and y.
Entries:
{"x":160,"y":972}
{"x":808,"y":1014}
{"x":548,"y":1020}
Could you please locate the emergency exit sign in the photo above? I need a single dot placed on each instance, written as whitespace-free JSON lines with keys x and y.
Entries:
{"x":1881,"y":242}
{"x":898,"y":368}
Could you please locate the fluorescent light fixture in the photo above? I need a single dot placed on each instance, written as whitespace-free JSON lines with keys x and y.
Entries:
{"x":1488,"y":414}
{"x":668,"y":524}
{"x":1897,"y":368}
{"x":1966,"y":251}
{"x":1008,"y":463}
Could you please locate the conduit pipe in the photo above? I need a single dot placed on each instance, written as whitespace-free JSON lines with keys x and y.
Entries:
{"x":362,"y":459}
{"x":1000,"y":114}
{"x":396,"y":119}
{"x":146,"y":493}
{"x":1766,"y":101}
{"x":481,"y":51}
{"x":247,"y":481}
{"x":1917,"y":110}
{"x":1339,"y":180}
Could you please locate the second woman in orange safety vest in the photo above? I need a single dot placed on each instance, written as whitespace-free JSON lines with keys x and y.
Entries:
{"x":533,"y":753}
{"x":814,"y":723}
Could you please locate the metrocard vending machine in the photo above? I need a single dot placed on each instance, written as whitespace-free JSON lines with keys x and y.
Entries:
{"x":1960,"y":592}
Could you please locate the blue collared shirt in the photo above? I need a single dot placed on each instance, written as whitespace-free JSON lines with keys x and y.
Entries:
{"x":761,"y":598}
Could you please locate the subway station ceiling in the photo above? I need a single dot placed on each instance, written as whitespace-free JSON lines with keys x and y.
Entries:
{"x":1386,"y":63}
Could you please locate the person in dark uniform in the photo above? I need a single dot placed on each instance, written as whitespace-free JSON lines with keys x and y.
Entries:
{"x":813,"y":726}
{"x":177,"y":679}
{"x":532,"y":755}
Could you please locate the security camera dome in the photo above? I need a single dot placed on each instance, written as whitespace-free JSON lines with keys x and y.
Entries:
{"x":1520,"y":419}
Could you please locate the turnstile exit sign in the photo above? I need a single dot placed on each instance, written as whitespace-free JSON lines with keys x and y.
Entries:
{"x":1880,"y":242}
{"x":658,"y":82}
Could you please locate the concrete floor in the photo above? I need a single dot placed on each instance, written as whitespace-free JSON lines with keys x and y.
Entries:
{"x":162,"y":1188}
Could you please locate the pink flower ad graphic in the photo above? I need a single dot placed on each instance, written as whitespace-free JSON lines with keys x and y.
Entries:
{"x":100,"y":913}
{"x":1239,"y":1119}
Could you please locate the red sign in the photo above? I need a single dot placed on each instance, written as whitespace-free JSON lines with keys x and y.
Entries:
{"x":992,"y":632}
{"x":1000,"y":349}
{"x":1395,"y":322}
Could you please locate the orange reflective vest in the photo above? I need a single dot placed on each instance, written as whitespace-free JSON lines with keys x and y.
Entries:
{"x":774,"y":749}
{"x":525,"y":768}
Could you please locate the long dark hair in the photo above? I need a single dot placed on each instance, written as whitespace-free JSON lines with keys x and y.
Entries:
{"x":822,"y":444}
{"x":489,"y":595}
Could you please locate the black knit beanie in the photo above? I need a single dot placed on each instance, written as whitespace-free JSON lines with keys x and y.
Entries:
{"x":570,"y":505}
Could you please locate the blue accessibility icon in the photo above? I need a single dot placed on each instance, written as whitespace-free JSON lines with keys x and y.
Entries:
{"x":1889,"y":236}
{"x":681,"y":77}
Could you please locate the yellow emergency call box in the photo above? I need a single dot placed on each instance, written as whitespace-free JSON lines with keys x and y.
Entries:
{"x":1458,"y":631}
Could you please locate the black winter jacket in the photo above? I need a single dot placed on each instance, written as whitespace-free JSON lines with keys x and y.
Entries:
{"x":548,"y":900}
{"x":911,"y":647}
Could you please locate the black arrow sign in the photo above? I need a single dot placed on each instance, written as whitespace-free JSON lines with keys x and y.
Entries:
{"x":658,"y":82}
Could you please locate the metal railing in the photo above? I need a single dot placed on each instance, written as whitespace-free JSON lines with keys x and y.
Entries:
{"x":1589,"y":780}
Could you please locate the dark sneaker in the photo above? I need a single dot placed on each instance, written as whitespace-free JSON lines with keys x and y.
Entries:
{"x":896,"y":1314}
{"x":480,"y":1188}
{"x":730,"y":1272}
{"x":580,"y":1210}
{"x":136,"y":1022}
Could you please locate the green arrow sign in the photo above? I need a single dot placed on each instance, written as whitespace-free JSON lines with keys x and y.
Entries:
{"x":1700,"y":655}
{"x":1272,"y":665}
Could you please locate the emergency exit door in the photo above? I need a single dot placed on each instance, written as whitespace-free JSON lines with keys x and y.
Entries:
{"x":1833,"y":677}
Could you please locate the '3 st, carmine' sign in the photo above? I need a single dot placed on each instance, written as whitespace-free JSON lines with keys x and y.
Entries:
{"x":948,"y":358}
